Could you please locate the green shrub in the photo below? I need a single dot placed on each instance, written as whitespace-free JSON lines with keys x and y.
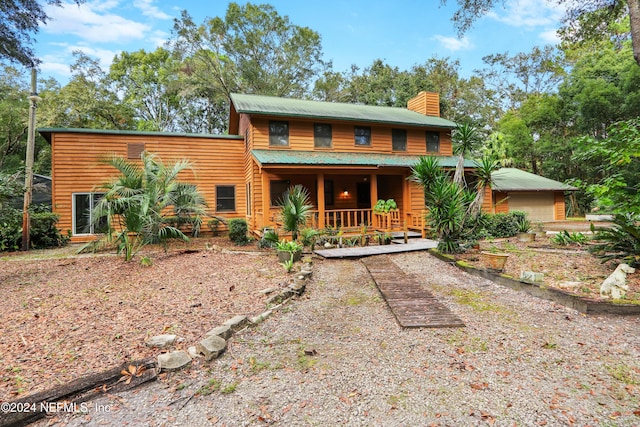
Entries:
{"x":10,"y":229}
{"x":238,"y":229}
{"x":269,"y":239}
{"x":502,"y":225}
{"x":42,"y":234}
{"x":213,"y":225}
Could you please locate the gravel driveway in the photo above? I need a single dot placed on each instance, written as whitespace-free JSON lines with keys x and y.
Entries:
{"x":337,"y":357}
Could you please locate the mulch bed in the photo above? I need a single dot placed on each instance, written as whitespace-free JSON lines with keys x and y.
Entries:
{"x":74,"y":315}
{"x":570,"y":268}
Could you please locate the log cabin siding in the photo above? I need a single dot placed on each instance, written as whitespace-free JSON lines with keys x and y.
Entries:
{"x":76,"y":167}
{"x":301,"y":137}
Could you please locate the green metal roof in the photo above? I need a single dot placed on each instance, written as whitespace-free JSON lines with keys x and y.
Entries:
{"x":286,"y":107}
{"x":511,"y":179}
{"x":47,"y":131}
{"x":322,"y":158}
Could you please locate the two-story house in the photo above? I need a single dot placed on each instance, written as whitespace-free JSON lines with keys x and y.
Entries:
{"x":348,"y":157}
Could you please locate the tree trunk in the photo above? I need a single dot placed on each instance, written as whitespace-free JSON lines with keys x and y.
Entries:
{"x":634,"y":17}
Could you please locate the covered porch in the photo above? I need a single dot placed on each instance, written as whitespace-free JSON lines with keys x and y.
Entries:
{"x":344,"y":199}
{"x":343,"y":187}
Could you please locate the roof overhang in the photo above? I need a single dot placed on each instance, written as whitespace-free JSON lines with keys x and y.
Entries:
{"x":516,"y":180}
{"x":278,"y":158}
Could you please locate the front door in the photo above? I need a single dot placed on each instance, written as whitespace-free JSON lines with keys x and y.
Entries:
{"x":363,"y":195}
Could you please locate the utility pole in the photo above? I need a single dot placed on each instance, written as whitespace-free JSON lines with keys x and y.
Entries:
{"x":28,"y":179}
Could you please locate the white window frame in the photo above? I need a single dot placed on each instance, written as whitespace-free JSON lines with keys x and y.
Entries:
{"x":73,"y":212}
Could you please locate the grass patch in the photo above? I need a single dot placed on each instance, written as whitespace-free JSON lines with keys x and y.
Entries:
{"x":256,"y":365}
{"x":476,"y":301}
{"x":211,"y":386}
{"x":229,"y":388}
{"x":624,"y":374}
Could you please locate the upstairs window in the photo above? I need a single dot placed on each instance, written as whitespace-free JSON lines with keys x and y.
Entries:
{"x":362,"y":135}
{"x":399,"y":139}
{"x":278,"y":133}
{"x":322,"y":134}
{"x":433,"y":142}
{"x":225,"y":198}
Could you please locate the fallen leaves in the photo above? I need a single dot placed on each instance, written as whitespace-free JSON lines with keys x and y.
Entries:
{"x":131,"y":372}
{"x":96,"y":312}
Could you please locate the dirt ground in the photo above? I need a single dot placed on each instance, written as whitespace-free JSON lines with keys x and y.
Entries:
{"x":66,"y":315}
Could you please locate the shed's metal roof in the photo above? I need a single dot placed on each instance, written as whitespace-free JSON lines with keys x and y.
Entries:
{"x":321,"y":158}
{"x":286,"y":107}
{"x":511,"y":179}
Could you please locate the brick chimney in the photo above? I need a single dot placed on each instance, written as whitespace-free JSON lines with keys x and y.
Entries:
{"x":427,"y":103}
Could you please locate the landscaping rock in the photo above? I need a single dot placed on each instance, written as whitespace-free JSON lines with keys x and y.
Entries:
{"x":161,"y":341}
{"x":236,"y":323}
{"x":174,"y":360}
{"x":532,"y":276}
{"x":280,"y":296}
{"x":268,"y":291}
{"x":261,"y":317}
{"x":298,"y":287}
{"x":211,"y":347}
{"x":223,"y":332}
{"x":193,"y":352}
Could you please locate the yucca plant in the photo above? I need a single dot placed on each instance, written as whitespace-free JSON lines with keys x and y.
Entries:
{"x":484,"y":170}
{"x":465,"y":138}
{"x":139,"y":205}
{"x":621,"y":241}
{"x":295,"y":209}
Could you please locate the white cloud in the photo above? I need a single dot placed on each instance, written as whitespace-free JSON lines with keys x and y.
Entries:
{"x":550,"y":37}
{"x":94,"y":23}
{"x":148,"y":9}
{"x":528,"y":13}
{"x":53,"y":67}
{"x":59,"y":63}
{"x":454,"y":43}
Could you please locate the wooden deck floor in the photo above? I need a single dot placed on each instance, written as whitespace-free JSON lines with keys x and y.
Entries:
{"x":359,"y":252}
{"x":412,"y":305}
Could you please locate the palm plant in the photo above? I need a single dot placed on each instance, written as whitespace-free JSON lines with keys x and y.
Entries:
{"x":465,"y":138}
{"x":484,"y":168}
{"x":295,"y":205}
{"x":137,"y":205}
{"x":621,"y":241}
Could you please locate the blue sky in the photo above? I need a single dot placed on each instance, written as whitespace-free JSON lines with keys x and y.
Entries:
{"x":400,"y":32}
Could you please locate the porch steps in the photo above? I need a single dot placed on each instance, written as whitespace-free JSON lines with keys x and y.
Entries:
{"x":411,"y":304}
{"x":359,"y":252}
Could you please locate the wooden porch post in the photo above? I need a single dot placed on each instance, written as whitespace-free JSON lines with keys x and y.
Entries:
{"x":374,"y":189}
{"x":321,"y":200}
{"x":406,"y":200}
{"x":373,"y":178}
{"x":266,"y":199}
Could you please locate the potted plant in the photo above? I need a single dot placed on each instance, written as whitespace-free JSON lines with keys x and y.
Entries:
{"x":385,"y":206}
{"x":494,"y":260}
{"x":288,"y":250}
{"x":524,"y":229}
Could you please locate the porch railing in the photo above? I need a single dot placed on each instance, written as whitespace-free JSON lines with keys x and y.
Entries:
{"x":353,"y":219}
{"x":343,"y":218}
